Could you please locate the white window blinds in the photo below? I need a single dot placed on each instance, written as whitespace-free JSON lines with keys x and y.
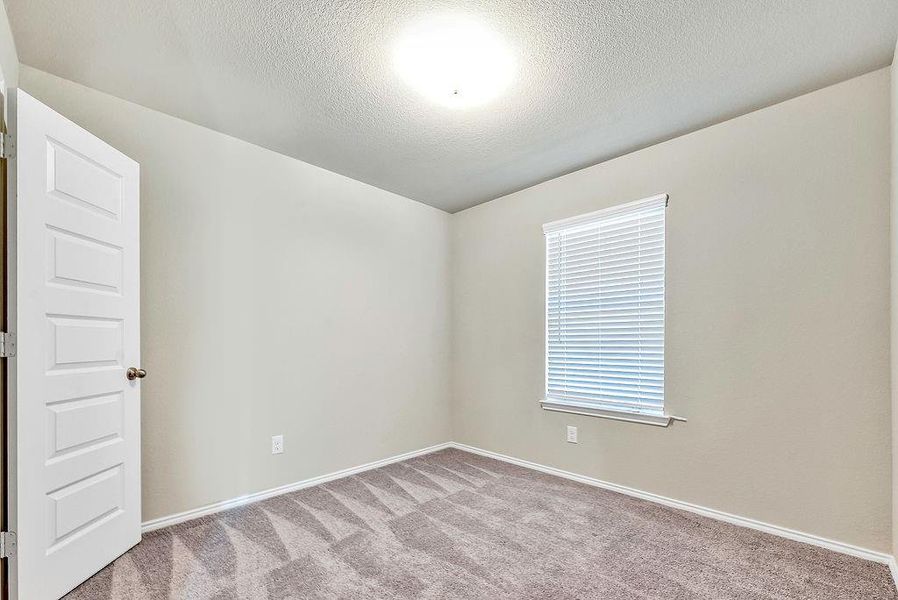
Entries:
{"x":605,"y":309}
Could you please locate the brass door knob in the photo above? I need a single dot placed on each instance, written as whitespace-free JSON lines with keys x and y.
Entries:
{"x":135,"y":373}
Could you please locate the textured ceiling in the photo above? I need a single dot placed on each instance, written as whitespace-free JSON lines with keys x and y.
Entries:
{"x":314,"y":79}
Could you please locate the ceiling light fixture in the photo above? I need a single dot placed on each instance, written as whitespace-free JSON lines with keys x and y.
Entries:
{"x":454,"y":61}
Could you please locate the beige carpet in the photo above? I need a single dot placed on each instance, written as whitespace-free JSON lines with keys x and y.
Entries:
{"x":456,"y":525}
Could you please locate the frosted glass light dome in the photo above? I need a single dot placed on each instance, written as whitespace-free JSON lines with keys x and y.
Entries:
{"x":454,"y":61}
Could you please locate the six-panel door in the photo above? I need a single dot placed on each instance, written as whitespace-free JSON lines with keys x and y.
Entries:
{"x":75,"y":502}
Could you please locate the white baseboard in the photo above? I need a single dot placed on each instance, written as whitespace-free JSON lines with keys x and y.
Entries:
{"x":215,"y":507}
{"x":784,"y":532}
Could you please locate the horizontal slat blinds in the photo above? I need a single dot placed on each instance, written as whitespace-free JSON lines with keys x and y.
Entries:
{"x":605,"y":309}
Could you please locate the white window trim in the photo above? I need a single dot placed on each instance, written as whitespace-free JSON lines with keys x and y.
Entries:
{"x":605,"y":212}
{"x":615,"y":415}
{"x":573,"y":407}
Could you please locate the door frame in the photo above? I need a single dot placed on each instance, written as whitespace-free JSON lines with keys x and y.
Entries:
{"x":7,"y":324}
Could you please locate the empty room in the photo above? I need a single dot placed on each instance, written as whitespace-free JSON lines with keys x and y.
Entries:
{"x":410,"y":299}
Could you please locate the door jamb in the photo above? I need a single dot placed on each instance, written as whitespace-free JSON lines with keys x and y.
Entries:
{"x":8,"y":324}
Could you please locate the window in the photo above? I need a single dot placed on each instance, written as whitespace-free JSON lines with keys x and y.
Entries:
{"x":605,"y":313}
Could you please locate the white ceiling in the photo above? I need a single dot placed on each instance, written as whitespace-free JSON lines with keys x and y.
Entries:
{"x":596,"y":78}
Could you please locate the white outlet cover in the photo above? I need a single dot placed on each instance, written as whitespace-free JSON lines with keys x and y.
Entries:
{"x":572,"y":434}
{"x":277,"y":444}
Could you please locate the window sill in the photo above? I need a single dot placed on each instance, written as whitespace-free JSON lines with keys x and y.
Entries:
{"x":616,"y":415}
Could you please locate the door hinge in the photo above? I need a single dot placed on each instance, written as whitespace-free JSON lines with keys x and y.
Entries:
{"x":7,"y":146}
{"x":7,"y":344}
{"x":7,"y":544}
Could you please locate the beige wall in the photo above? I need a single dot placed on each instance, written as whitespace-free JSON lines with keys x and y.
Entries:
{"x":9,"y":60}
{"x":777,"y":318}
{"x":277,"y":297}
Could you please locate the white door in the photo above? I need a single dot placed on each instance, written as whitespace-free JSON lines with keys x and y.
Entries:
{"x":74,"y":415}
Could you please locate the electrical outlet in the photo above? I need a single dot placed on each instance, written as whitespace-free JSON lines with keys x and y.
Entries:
{"x":277,"y":444}
{"x":572,"y":434}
